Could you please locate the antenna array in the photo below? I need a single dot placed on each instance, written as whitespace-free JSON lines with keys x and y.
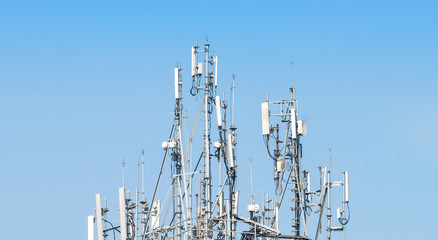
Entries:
{"x":282,"y":133}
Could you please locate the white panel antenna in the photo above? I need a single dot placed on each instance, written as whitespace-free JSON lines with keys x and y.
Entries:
{"x":122,"y":208}
{"x":236,"y":202}
{"x":346,"y":187}
{"x":230,"y":150}
{"x":91,"y":227}
{"x":221,"y":203}
{"x":99,"y":217}
{"x":215,"y":71}
{"x":293,"y":123}
{"x":218,"y":111}
{"x":177,"y":89}
{"x":193,"y":61}
{"x":265,"y":119}
{"x":155,"y":214}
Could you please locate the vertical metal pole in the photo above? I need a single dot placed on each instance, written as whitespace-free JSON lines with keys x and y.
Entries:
{"x":329,"y":215}
{"x":207,"y":179}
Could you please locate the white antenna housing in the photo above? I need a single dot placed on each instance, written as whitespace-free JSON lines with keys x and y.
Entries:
{"x":253,"y":208}
{"x":193,"y":61}
{"x":293,"y":122}
{"x":99,"y":217}
{"x":346,"y":187}
{"x":155,"y":214}
{"x":177,"y":88}
{"x":230,"y":150}
{"x":215,"y":71}
{"x":91,"y":227}
{"x":265,"y":119}
{"x":199,"y":70}
{"x":236,"y":202}
{"x":301,"y":128}
{"x":221,"y":203}
{"x":217,"y":145}
{"x":218,"y":111}
{"x":122,"y":208}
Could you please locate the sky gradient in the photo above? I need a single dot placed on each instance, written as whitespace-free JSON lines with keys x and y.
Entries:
{"x":84,"y":85}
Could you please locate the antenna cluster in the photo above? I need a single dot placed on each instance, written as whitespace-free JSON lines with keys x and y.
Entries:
{"x":188,"y":212}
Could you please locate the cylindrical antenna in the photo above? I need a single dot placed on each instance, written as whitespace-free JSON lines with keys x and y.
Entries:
{"x":218,"y":111}
{"x":215,"y":71}
{"x":232,"y":88}
{"x":252,"y":193}
{"x":123,"y":172}
{"x":142,"y":173}
{"x":292,"y":74}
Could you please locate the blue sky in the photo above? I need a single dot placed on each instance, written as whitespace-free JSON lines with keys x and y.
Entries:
{"x":85,"y":84}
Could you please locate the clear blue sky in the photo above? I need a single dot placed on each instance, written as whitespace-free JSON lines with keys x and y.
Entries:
{"x":84,"y":84}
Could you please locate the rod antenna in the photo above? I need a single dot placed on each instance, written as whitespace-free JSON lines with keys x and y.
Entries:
{"x":123,"y":172}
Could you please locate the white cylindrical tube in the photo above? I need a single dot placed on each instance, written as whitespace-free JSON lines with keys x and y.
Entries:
{"x":218,"y":111}
{"x":346,"y":187}
{"x":230,"y":150}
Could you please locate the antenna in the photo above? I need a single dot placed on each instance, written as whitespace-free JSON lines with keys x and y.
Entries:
{"x":252,"y":193}
{"x":218,"y":111}
{"x":99,"y":217}
{"x":232,"y":89}
{"x":142,"y":173}
{"x":215,"y":71}
{"x":330,"y":158}
{"x":176,"y":84}
{"x":123,"y":174}
{"x":265,"y":118}
{"x":194,"y":59}
{"x":91,"y":227}
{"x":346,"y":187}
{"x":292,"y":74}
{"x":230,"y":150}
{"x":122,"y":208}
{"x":293,"y":122}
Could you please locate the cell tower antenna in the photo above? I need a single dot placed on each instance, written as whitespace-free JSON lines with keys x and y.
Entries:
{"x":123,"y":172}
{"x":292,"y":74}
{"x":292,"y":80}
{"x":252,"y":192}
{"x":142,"y":173}
{"x":330,"y":158}
{"x":232,"y":102}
